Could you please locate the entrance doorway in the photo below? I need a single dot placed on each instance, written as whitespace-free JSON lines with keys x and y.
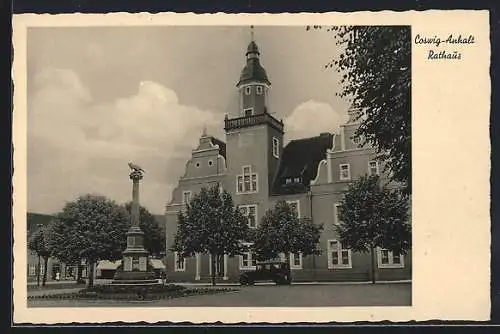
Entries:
{"x":220,"y":266}
{"x":56,"y":271}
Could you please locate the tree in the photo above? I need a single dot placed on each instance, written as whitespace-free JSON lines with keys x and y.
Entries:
{"x":38,"y":244}
{"x":57,"y":247}
{"x":282,"y":232}
{"x":91,"y":228}
{"x":211,"y":225}
{"x":375,"y":67}
{"x":154,"y":236}
{"x":372,"y":215}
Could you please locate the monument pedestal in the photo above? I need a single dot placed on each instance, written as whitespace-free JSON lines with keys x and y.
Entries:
{"x":136,"y":267}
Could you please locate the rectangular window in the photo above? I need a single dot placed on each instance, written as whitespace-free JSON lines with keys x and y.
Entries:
{"x":248,"y":260}
{"x":254,"y":182}
{"x":336,"y":213}
{"x":345,"y":257}
{"x":32,"y":270}
{"x":259,"y":90}
{"x":384,"y":256}
{"x":186,"y":197}
{"x":252,"y":219}
{"x":240,"y":184}
{"x":288,"y":180}
{"x":296,"y":180}
{"x":248,"y":111}
{"x":296,"y":261}
{"x":345,"y":172}
{"x":247,"y":182}
{"x":388,"y":259}
{"x":248,"y":90}
{"x":276,"y":147}
{"x":250,"y":211}
{"x":70,"y":271}
{"x":179,"y":263}
{"x":338,"y":257}
{"x":295,"y":206}
{"x":396,"y":258}
{"x":373,"y":168}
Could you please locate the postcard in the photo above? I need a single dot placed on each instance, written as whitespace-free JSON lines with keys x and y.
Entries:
{"x":250,"y":168}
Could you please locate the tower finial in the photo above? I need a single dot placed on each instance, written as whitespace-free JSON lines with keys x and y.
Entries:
{"x":251,"y":33}
{"x":204,"y":134}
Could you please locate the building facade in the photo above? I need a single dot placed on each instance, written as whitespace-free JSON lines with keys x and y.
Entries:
{"x":311,"y":174}
{"x":55,"y":268}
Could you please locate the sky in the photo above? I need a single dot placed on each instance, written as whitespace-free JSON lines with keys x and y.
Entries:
{"x":103,"y":96}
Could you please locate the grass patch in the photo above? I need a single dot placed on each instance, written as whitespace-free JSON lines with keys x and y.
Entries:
{"x":133,"y":293}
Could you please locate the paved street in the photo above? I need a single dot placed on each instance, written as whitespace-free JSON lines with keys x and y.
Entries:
{"x":398,"y":294}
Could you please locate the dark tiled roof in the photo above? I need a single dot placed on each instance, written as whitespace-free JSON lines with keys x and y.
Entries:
{"x":222,"y":146}
{"x":300,"y":159}
{"x":253,"y":71}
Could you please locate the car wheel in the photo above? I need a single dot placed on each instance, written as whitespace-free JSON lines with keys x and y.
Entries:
{"x":251,"y":282}
{"x":243,"y":281}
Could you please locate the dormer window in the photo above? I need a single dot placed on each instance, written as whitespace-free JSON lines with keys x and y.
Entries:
{"x":288,"y":180}
{"x":248,"y":111}
{"x":296,"y":180}
{"x":259,"y":90}
{"x":248,"y":90}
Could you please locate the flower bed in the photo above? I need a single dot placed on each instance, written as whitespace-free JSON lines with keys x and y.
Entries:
{"x":56,"y":286}
{"x":134,"y":293}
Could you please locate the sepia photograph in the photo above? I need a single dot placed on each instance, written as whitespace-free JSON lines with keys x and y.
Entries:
{"x":275,"y":166}
{"x":239,"y":169}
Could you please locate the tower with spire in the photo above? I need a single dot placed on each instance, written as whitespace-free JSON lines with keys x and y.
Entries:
{"x":253,"y":84}
{"x":254,"y":137}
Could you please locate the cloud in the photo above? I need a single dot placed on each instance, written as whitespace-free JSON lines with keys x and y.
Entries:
{"x":311,"y":118}
{"x":76,"y":146}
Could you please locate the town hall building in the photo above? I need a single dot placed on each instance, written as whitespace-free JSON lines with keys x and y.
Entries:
{"x":254,"y":166}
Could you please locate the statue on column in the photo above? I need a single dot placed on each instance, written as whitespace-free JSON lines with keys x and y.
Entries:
{"x":135,"y":168}
{"x":136,"y":267}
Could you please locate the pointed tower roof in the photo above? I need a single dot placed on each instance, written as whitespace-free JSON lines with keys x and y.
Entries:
{"x":253,"y":71}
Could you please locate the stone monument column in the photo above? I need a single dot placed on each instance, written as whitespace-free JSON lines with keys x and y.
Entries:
{"x":135,"y":268}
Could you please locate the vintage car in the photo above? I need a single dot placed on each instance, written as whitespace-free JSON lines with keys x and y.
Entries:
{"x":278,"y":272}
